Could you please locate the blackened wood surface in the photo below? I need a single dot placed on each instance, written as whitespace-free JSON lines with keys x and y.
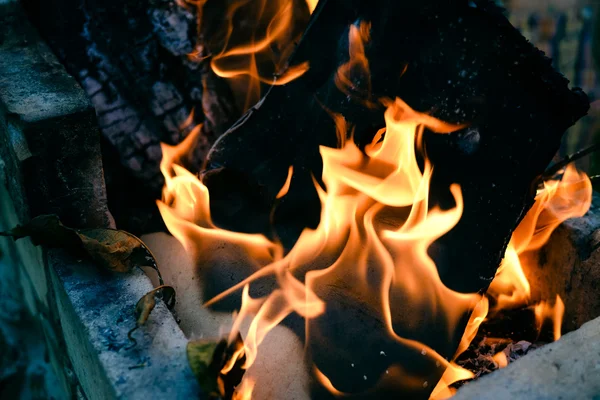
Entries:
{"x":465,"y":64}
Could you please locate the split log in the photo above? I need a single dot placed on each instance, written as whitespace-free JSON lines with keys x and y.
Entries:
{"x":464,"y":64}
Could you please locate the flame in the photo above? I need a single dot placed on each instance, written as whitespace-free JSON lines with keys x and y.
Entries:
{"x":350,"y":246}
{"x":375,"y":228}
{"x":553,"y":313}
{"x":559,"y":200}
{"x":362,"y":186}
{"x":453,"y":373}
{"x":312,"y":4}
{"x":244,"y":390}
{"x":286,"y":186}
{"x":501,"y":359}
{"x":256,"y":50}
{"x":354,"y":77}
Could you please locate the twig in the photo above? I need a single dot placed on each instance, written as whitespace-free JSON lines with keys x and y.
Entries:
{"x":141,"y":365}
{"x":131,"y":338}
{"x":554,"y":169}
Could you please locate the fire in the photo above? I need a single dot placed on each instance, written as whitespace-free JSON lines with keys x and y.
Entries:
{"x":354,"y":77}
{"x":553,"y":313}
{"x":312,"y":4}
{"x":559,"y":200}
{"x":256,"y":50}
{"x":376,"y":226}
{"x":350,"y":247}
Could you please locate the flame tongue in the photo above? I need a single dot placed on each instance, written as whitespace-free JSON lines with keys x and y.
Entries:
{"x":559,"y":200}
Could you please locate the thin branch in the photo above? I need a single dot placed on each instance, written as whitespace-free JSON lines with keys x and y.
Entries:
{"x":131,"y":338}
{"x":554,"y":169}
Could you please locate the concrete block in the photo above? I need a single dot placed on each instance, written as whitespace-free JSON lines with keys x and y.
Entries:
{"x":49,"y":140}
{"x":96,"y":312}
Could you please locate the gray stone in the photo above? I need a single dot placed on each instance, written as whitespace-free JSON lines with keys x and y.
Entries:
{"x":49,"y":140}
{"x":96,"y":313}
{"x":566,"y":369}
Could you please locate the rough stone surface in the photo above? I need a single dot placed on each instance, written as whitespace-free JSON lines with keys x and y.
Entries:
{"x":31,"y":360}
{"x":49,"y":140}
{"x":96,"y":312}
{"x":566,"y":369}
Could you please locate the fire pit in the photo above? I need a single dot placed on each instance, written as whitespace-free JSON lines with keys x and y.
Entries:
{"x":382,"y":223}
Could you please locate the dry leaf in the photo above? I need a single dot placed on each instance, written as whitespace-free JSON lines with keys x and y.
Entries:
{"x":208,"y":357}
{"x":112,"y":249}
{"x":146,"y":304}
{"x":46,"y":230}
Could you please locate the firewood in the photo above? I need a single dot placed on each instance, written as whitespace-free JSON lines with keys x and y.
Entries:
{"x":464,"y":63}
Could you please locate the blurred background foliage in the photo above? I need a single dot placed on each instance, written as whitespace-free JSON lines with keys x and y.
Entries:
{"x":566,"y":30}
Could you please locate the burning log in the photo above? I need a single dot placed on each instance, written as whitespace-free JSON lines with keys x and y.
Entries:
{"x":461,"y":62}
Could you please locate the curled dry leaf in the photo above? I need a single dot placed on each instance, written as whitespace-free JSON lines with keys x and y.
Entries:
{"x":146,"y":304}
{"x":112,"y":249}
{"x":217,"y":365}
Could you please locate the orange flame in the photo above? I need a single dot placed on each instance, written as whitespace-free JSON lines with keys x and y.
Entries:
{"x":354,"y":77}
{"x":362,"y":185}
{"x":254,"y":51}
{"x":359,"y":187}
{"x":560,"y":200}
{"x":244,"y":390}
{"x":501,"y":359}
{"x":376,"y":222}
{"x":312,"y":4}
{"x":544,"y":311}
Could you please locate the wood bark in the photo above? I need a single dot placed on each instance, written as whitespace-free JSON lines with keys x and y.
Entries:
{"x":464,"y":64}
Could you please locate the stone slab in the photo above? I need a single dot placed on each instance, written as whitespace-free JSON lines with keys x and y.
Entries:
{"x":96,"y":313}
